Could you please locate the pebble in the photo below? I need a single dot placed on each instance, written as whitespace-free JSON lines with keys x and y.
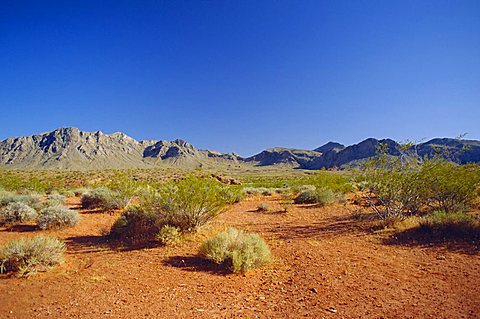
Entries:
{"x":314,"y":290}
{"x":331,"y":309}
{"x":441,"y":257}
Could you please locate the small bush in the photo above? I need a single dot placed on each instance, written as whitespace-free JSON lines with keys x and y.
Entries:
{"x":169,"y":235}
{"x":242,"y":252}
{"x":56,"y":197}
{"x":136,"y":225}
{"x":103,"y":198}
{"x":258,"y":191}
{"x":28,"y":255}
{"x":447,"y":224}
{"x":16,"y":212}
{"x":322,"y":196}
{"x":57,"y":217}
{"x":7,"y":198}
{"x":262,"y":207}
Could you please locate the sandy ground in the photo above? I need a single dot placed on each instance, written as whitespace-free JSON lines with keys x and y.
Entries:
{"x":327,"y":264}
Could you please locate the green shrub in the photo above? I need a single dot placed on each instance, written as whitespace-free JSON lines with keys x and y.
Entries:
{"x":451,"y":224}
{"x":103,"y":198}
{"x":28,"y":255}
{"x":169,"y":235}
{"x":57,"y":217}
{"x":16,"y":212}
{"x":448,"y":186}
{"x":188,"y":203}
{"x":242,"y":252}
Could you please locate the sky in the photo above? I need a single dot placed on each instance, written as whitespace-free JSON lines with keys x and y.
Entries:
{"x":242,"y":76}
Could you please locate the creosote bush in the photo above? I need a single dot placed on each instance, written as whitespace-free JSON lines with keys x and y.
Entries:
{"x":25,"y":256}
{"x":186,"y":204}
{"x":57,"y":217}
{"x":240,"y":251}
{"x":16,"y":212}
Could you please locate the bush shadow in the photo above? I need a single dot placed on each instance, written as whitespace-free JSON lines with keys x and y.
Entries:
{"x":22,"y":228}
{"x":419,"y":237}
{"x":196,"y":263}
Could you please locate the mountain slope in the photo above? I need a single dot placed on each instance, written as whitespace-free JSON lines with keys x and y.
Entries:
{"x":70,"y":148}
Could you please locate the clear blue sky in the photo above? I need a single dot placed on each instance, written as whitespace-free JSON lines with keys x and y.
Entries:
{"x":242,"y":75}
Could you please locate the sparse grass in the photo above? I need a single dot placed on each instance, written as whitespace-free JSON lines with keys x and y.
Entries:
{"x":16,"y":212}
{"x":237,"y":250}
{"x":26,"y":256}
{"x":57,"y":217}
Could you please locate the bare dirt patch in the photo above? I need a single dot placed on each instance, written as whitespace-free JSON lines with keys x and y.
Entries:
{"x":327,"y":264}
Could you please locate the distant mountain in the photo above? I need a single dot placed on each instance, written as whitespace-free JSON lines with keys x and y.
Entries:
{"x":336,"y":155}
{"x":70,"y":148}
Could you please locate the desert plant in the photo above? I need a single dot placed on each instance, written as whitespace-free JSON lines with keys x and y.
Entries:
{"x":451,"y":187}
{"x":7,"y":198}
{"x":451,"y":224}
{"x":321,"y":196}
{"x":262,"y":207}
{"x":136,"y":225}
{"x":103,"y":198}
{"x":28,"y":255}
{"x":242,"y":252}
{"x":188,"y":203}
{"x":57,"y":217}
{"x":16,"y":212}
{"x":169,"y":235}
{"x":56,"y":197}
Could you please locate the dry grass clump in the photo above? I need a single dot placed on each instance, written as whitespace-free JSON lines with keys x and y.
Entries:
{"x":57,"y":217}
{"x":236,"y":249}
{"x":16,"y":212}
{"x":26,"y":256}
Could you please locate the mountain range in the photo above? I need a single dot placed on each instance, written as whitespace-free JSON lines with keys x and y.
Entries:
{"x":72,"y":149}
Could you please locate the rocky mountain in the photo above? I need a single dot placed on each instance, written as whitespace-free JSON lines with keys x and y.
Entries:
{"x":70,"y":148}
{"x":336,"y":155}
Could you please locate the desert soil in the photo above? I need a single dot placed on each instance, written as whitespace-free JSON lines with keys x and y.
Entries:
{"x":327,"y":264}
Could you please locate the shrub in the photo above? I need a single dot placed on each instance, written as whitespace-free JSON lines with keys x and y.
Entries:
{"x":7,"y":198}
{"x":322,"y":196}
{"x":136,"y":225}
{"x":448,"y":224}
{"x":262,"y":207}
{"x":57,"y":217}
{"x":449,"y":187}
{"x":103,"y":198}
{"x":56,"y":197}
{"x":169,"y":235}
{"x":28,"y":255}
{"x":16,"y":212}
{"x":242,"y":252}
{"x":188,"y":203}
